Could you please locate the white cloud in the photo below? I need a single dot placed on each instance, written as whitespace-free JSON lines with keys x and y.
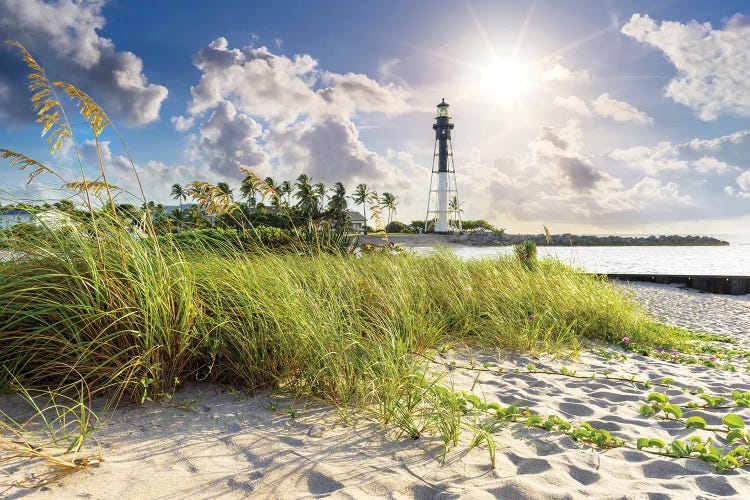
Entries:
{"x":63,"y":35}
{"x":282,"y":90}
{"x":652,"y":160}
{"x":665,"y":183}
{"x":553,"y":70}
{"x":574,"y":104}
{"x":604,"y":106}
{"x":665,"y":157}
{"x":284,"y":116}
{"x":709,"y":164}
{"x":154,"y":175}
{"x":743,"y":180}
{"x":719,"y":142}
{"x":228,"y":140}
{"x":619,"y":111}
{"x":713,"y":65}
{"x":556,"y":153}
{"x":182,"y":124}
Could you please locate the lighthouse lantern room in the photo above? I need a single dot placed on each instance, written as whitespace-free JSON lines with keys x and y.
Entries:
{"x":443,"y":208}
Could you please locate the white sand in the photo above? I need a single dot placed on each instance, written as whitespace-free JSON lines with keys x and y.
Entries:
{"x":232,"y":445}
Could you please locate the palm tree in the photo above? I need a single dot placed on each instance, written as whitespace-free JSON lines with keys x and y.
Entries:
{"x":285,"y":188}
{"x":249,"y":189}
{"x":362,"y":196}
{"x":337,"y":209}
{"x":178,"y":217}
{"x":179,"y":194}
{"x":455,"y":208}
{"x":275,"y":191}
{"x":223,"y":194}
{"x":389,"y":202}
{"x":320,"y":194}
{"x":307,"y":198}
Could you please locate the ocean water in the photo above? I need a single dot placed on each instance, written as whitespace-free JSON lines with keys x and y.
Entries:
{"x":732,"y":260}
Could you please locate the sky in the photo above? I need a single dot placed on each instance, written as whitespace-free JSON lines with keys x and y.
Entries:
{"x":584,"y":116}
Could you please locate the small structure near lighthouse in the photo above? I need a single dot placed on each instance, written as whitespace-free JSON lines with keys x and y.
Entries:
{"x":443,"y":208}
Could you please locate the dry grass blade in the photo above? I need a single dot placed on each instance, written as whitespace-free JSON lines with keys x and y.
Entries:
{"x":376,"y":209}
{"x":55,"y":467}
{"x":97,"y":188}
{"x":50,"y":439}
{"x":88,"y":108}
{"x":211,"y":198}
{"x":23,"y":162}
{"x":47,"y":106}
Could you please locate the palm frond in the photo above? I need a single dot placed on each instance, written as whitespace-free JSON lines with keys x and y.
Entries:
{"x":88,"y":108}
{"x":47,"y":106}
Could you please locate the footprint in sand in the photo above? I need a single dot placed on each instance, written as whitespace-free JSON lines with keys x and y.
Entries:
{"x":320,"y":484}
{"x":583,"y":476}
{"x":576,"y":409}
{"x":715,"y":485}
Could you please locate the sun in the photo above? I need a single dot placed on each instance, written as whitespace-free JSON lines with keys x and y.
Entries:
{"x":506,"y":80}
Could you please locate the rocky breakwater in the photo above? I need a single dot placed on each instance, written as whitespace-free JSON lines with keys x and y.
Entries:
{"x":478,"y":238}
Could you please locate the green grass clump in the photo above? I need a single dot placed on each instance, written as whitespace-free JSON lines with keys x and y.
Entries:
{"x":133,"y":317}
{"x":129,"y":316}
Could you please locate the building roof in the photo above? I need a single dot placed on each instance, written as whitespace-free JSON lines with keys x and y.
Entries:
{"x":356,"y":216}
{"x":16,"y":212}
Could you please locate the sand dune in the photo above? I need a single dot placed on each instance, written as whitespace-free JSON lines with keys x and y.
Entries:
{"x":215,"y":442}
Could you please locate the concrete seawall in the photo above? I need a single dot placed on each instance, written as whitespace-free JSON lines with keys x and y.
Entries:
{"x":727,"y":285}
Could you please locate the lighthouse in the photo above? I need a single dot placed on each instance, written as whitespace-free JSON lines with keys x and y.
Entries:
{"x":443,"y":207}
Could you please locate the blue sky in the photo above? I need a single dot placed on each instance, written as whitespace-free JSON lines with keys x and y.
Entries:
{"x":586,"y":116}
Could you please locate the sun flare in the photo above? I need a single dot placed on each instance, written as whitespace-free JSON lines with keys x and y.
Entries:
{"x":506,"y":79}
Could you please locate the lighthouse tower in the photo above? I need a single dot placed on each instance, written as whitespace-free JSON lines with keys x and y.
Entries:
{"x":443,"y":207}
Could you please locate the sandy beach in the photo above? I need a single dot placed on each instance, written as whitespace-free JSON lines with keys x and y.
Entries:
{"x":212,"y":441}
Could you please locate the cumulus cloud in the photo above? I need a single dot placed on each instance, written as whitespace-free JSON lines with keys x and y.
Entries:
{"x":554,"y":70}
{"x":557,"y":154}
{"x":604,"y":106}
{"x":743,"y":181}
{"x":626,"y":188}
{"x":708,"y":164}
{"x":719,"y":142}
{"x":228,"y":140}
{"x":154,"y":175}
{"x":574,"y":104}
{"x":665,"y":157}
{"x":619,"y":111}
{"x":652,"y":160}
{"x":181,"y":124}
{"x":331,"y":150}
{"x":63,"y":35}
{"x":284,"y":116}
{"x":713,"y":65}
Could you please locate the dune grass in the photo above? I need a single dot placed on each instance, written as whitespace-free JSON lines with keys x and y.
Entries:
{"x":133,"y":320}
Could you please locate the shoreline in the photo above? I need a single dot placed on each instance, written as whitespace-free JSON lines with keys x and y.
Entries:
{"x":211,"y":440}
{"x":484,"y":239}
